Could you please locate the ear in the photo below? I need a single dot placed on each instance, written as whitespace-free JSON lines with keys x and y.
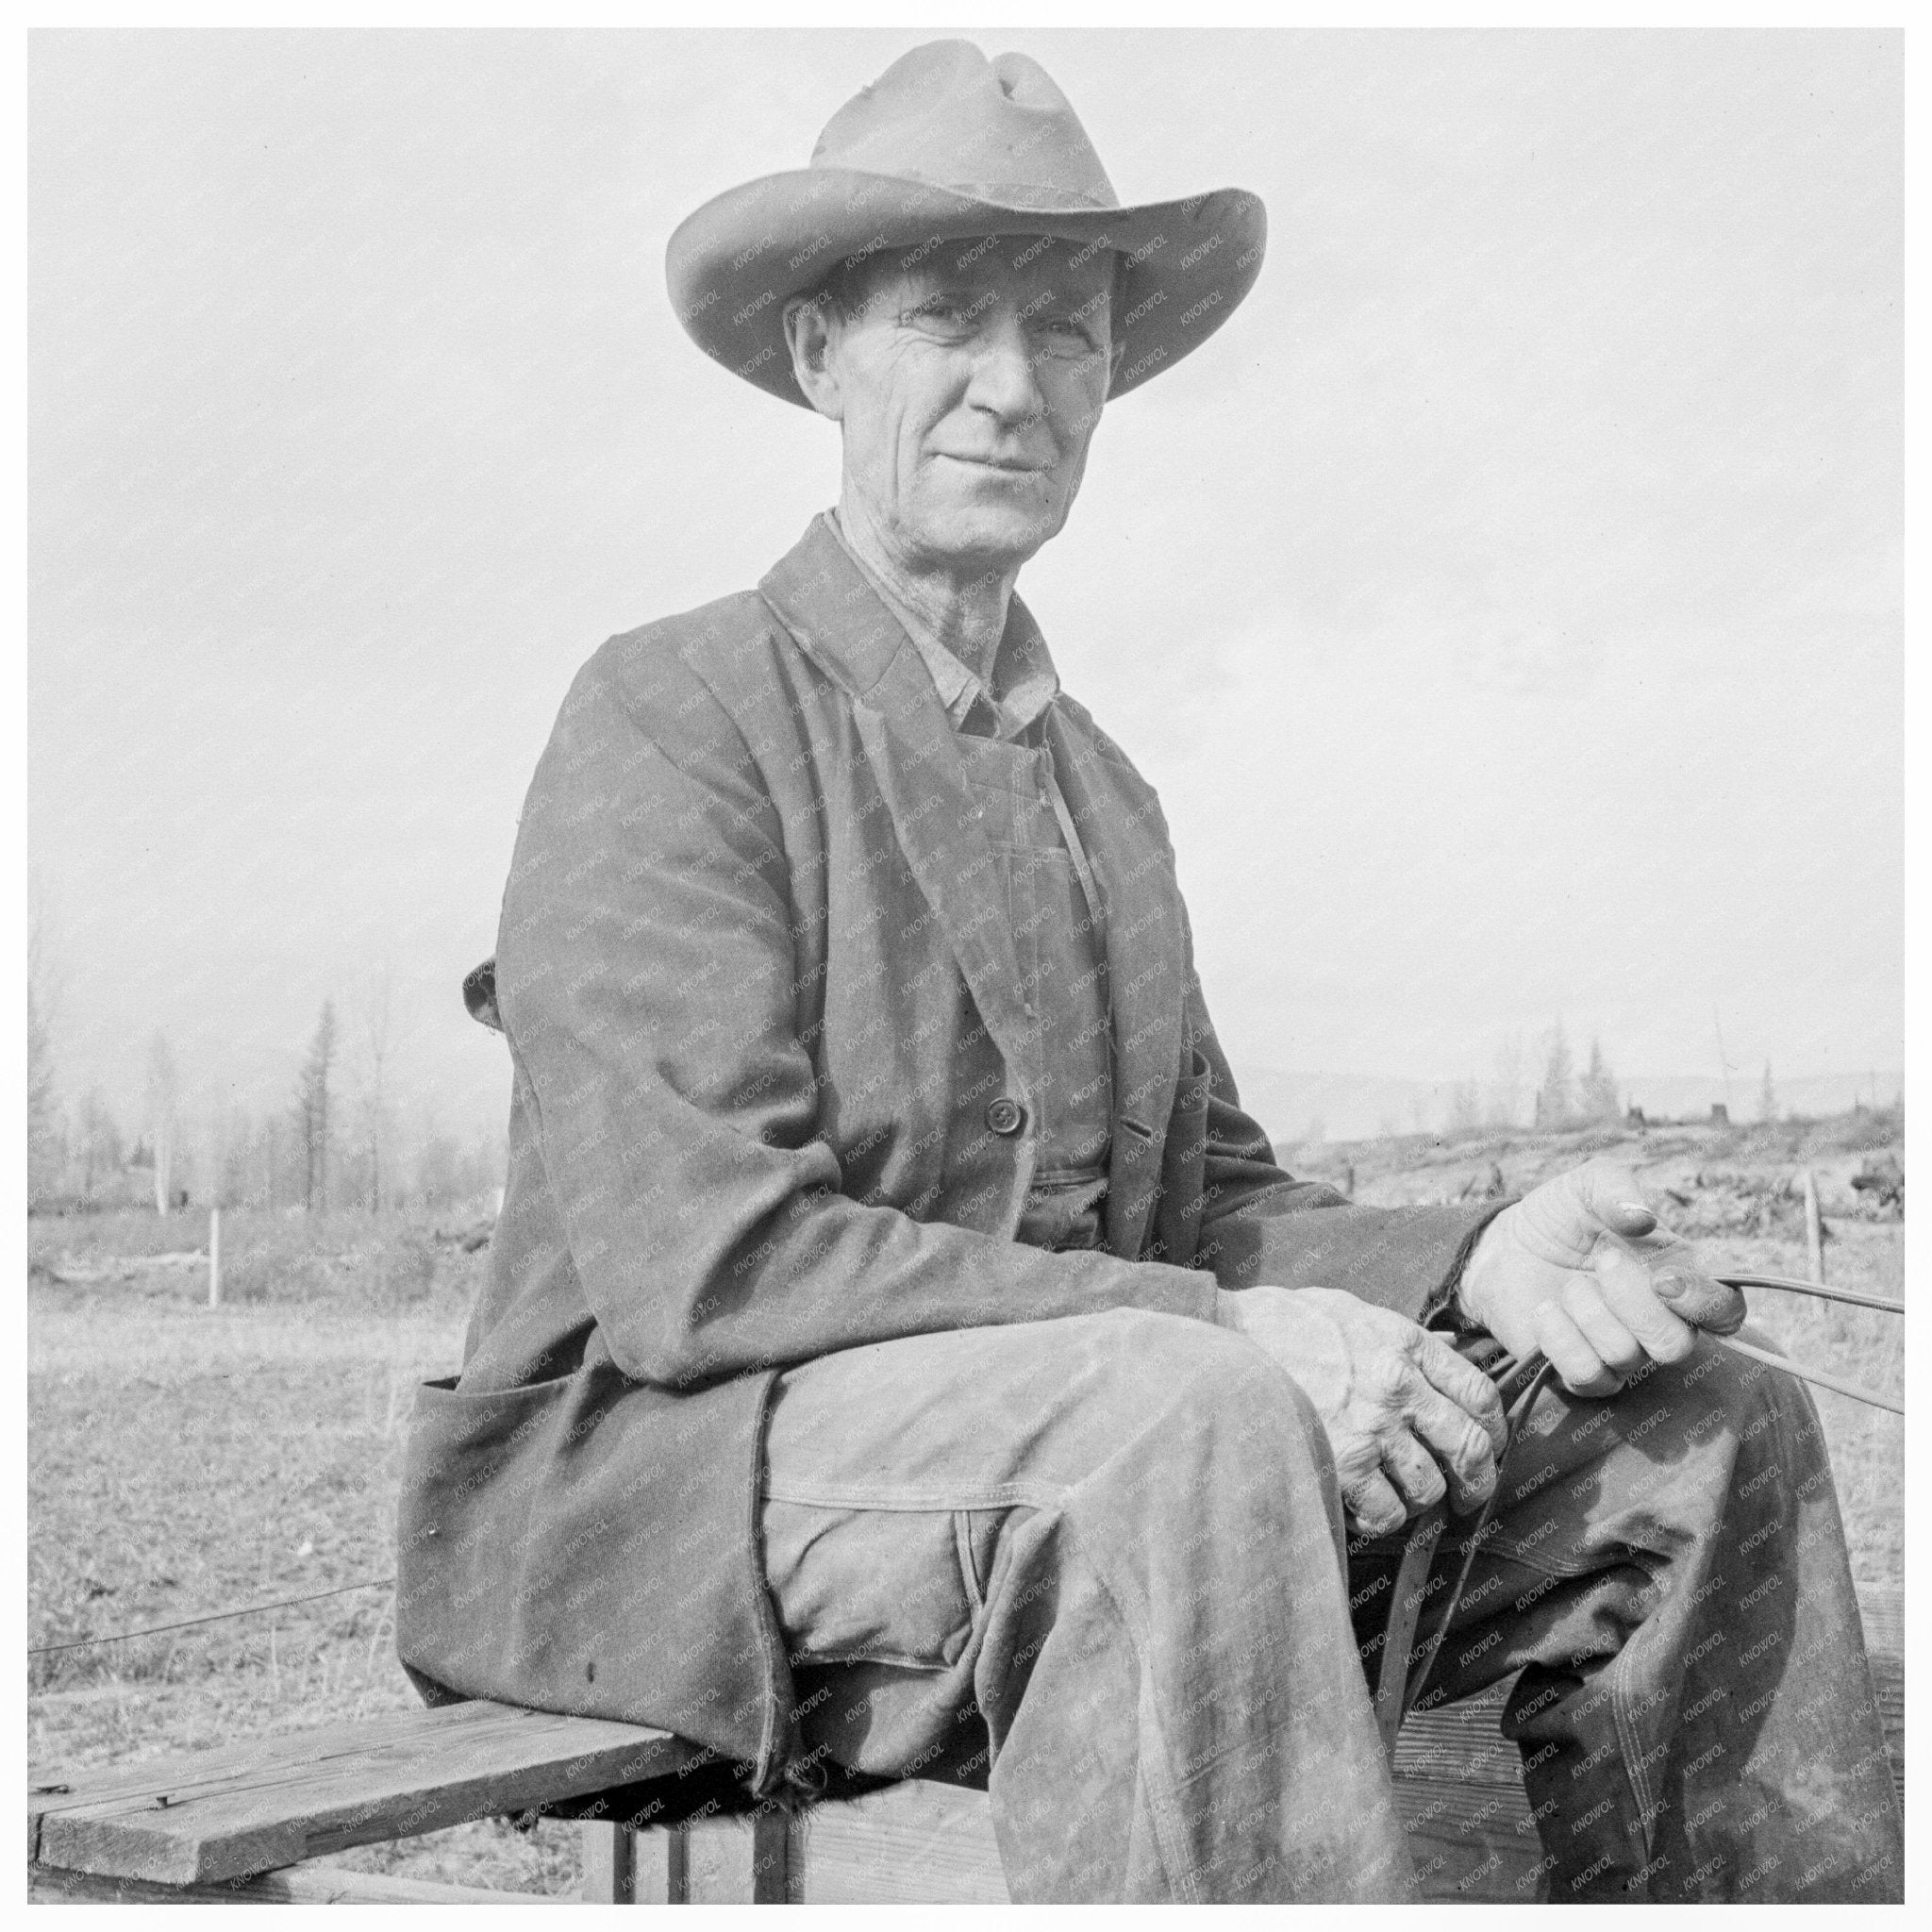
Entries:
{"x":809,"y":335}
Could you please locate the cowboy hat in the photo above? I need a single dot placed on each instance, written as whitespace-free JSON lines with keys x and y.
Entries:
{"x":943,"y":145}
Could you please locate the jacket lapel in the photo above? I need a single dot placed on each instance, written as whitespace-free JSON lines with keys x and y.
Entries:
{"x":1146,"y":960}
{"x":825,"y":602}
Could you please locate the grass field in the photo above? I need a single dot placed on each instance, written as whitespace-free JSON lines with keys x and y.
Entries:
{"x":183,"y":1460}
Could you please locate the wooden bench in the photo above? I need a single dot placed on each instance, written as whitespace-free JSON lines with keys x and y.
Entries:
{"x":245,"y":1826}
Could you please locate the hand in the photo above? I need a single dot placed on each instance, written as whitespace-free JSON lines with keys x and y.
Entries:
{"x":1580,"y":1269}
{"x":1406,"y":1416}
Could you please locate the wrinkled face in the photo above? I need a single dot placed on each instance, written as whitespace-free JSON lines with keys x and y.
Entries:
{"x":967,"y":385}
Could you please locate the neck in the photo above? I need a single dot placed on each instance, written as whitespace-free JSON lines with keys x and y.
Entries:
{"x":963,"y":606}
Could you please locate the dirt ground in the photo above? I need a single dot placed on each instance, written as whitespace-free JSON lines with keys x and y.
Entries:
{"x":183,"y":1460}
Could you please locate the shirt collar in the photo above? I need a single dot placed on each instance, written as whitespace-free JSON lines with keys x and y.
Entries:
{"x":1024,"y":682}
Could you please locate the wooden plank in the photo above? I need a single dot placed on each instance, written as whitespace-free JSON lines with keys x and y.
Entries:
{"x":662,"y":1864}
{"x":225,"y":1814}
{"x":195,"y":1822}
{"x":912,"y":1844}
{"x":1883,"y":1611}
{"x":1470,"y":1842}
{"x":609,"y":1863}
{"x":735,"y":1858}
{"x":301,"y":1885}
{"x":1460,"y":1742}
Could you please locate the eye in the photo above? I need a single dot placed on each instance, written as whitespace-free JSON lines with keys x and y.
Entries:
{"x":1067,"y":335}
{"x":940,"y":314}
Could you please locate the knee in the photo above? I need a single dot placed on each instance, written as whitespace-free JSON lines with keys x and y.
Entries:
{"x":1766,"y":1414}
{"x":1192,"y":1378}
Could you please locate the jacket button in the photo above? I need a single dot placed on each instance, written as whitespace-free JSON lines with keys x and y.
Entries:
{"x":1005,"y":1116}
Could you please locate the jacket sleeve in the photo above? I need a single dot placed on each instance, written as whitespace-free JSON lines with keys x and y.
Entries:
{"x":1261,"y":1224}
{"x":646,"y":980}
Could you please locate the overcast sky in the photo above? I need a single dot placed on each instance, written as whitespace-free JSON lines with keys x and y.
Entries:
{"x":1505,"y":603}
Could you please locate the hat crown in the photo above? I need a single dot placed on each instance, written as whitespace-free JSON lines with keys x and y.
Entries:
{"x":999,"y":131}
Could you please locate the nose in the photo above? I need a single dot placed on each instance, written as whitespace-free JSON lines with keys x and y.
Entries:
{"x":1004,"y":382}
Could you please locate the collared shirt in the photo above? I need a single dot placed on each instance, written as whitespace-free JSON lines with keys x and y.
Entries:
{"x":1054,"y":906}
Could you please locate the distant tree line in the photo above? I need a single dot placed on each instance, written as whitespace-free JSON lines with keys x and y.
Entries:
{"x":1561,"y":1097}
{"x":340,"y":1143}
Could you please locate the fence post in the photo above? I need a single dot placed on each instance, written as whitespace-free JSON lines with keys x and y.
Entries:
{"x":1814,"y":1227}
{"x":214,"y":1258}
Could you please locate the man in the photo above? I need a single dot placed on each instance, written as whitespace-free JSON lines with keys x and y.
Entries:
{"x":901,"y":1353}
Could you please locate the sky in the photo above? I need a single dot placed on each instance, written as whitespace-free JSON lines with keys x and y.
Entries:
{"x":1507,"y":603}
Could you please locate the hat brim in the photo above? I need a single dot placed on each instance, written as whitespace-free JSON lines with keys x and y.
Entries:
{"x":733,"y":264}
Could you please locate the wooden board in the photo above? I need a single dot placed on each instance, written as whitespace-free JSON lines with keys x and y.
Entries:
{"x":195,"y":1822}
{"x":302,"y":1884}
{"x":225,"y":1814}
{"x":908,"y":1844}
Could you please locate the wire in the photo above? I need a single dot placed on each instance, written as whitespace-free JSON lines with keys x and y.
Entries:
{"x":1804,"y":1373}
{"x":1538,"y":1371}
{"x":1507,"y":1370}
{"x":212,"y":1617}
{"x":1815,"y":1288}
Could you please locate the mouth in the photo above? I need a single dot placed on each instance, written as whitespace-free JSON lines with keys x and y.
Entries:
{"x":1006,"y":466}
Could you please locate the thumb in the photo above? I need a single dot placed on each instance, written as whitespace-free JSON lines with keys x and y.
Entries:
{"x":1701,"y":1302}
{"x":1610,"y":1191}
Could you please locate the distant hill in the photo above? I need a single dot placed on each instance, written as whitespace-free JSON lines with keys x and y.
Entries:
{"x":1355,"y":1107}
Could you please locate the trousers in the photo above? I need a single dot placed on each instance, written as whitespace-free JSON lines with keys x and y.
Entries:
{"x":1099,"y":1566}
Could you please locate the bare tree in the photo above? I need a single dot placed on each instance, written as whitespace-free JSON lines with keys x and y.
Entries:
{"x":1556,"y":1099}
{"x":45,"y":1151}
{"x":1597,"y":1096}
{"x":100,"y":1150}
{"x":380,"y":1036}
{"x":279,"y":1163}
{"x":163,"y":1102}
{"x":312,"y":1110}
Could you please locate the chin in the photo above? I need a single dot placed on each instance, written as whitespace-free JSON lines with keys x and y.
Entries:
{"x":983,"y":532}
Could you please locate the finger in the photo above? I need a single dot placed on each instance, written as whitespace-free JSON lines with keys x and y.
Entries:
{"x":1628,"y":1291}
{"x":1618,"y":1349}
{"x":1460,"y":1445}
{"x":1413,"y":1472}
{"x":1698,"y":1299}
{"x":1571,"y":1355}
{"x":1374,"y":1506}
{"x":1464,"y":1384}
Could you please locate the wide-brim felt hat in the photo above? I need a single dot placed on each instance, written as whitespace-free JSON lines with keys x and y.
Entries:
{"x":945,"y":145}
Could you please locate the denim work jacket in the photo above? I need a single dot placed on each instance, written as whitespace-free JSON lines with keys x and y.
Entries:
{"x":772,"y":1066}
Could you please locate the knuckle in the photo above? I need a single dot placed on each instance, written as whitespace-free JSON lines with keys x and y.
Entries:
{"x":1389,"y":1378}
{"x":1673,"y":1345}
{"x":1582,"y":1295}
